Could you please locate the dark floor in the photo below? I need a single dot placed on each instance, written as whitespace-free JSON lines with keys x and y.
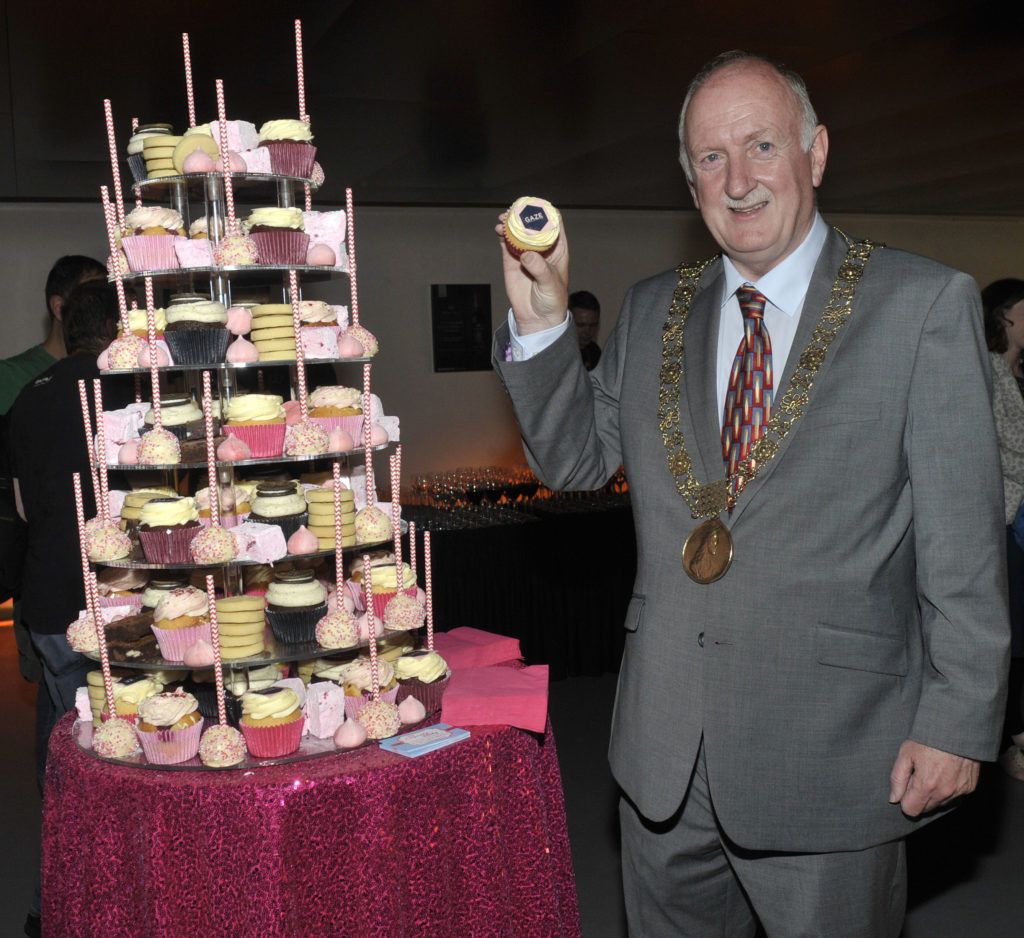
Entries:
{"x":967,"y":871}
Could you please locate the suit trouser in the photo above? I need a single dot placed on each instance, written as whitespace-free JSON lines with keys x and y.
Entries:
{"x":684,"y":877}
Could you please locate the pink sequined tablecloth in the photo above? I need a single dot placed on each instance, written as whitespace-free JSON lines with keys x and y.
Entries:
{"x":468,"y":840}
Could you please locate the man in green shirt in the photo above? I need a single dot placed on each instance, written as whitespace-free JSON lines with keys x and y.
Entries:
{"x":15,"y":373}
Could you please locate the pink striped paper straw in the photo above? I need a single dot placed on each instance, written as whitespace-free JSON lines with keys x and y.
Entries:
{"x":108,"y":684}
{"x":189,"y":95}
{"x":90,"y":440}
{"x":211,"y":469}
{"x":114,"y":165}
{"x":137,"y":189}
{"x":428,"y":577}
{"x":350,"y":237}
{"x":300,"y":69}
{"x":115,"y":254}
{"x":371,"y":493}
{"x":396,"y":521}
{"x":300,"y":355}
{"x":218,"y":676}
{"x":371,"y":627}
{"x":339,"y":569}
{"x":412,"y":548}
{"x":103,"y":497}
{"x":225,"y":163}
{"x":154,"y":375}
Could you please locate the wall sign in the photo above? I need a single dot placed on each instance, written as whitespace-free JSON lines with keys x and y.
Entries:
{"x":461,"y":318}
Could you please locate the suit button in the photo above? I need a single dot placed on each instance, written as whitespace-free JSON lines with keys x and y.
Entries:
{"x":700,"y":639}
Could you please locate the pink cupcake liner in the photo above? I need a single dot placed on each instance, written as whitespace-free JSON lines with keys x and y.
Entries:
{"x":130,"y":717}
{"x":283,"y":246}
{"x":263,"y":439}
{"x":168,"y":747}
{"x":383,"y":597}
{"x":168,"y":545}
{"x":291,"y":157}
{"x":354,"y":705}
{"x":429,"y":695}
{"x":174,"y":642}
{"x":133,"y":600}
{"x":353,"y":426}
{"x":269,"y":742}
{"x":150,"y":252}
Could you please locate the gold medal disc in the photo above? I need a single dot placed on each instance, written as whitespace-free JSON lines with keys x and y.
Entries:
{"x":707,"y":552}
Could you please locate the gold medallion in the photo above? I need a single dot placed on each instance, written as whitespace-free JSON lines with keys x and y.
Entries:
{"x":707,"y":552}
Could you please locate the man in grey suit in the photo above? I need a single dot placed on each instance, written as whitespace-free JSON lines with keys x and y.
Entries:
{"x":817,"y":641}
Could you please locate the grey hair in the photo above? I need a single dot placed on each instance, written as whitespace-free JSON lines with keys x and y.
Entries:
{"x":793,"y":80}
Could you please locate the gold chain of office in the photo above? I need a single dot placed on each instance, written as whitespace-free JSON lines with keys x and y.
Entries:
{"x":709,"y":499}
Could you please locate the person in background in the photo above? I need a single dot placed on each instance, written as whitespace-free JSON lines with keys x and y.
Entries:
{"x":586,"y":314}
{"x":47,"y":444}
{"x":16,"y":372}
{"x":1003,"y":302}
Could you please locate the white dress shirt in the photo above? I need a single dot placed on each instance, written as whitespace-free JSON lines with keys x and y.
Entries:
{"x":784,"y":286}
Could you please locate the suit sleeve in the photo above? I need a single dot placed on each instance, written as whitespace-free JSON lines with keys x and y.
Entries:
{"x":959,"y":540}
{"x":568,"y":417}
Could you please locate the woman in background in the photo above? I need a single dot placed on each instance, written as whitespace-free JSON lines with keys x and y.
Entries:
{"x":1003,"y":302}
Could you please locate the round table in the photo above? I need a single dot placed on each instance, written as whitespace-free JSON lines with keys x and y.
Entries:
{"x":467,"y":840}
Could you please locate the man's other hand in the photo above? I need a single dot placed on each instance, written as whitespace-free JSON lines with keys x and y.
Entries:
{"x":923,"y":778}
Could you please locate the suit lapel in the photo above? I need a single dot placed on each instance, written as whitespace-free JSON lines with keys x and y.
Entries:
{"x":832,"y":254}
{"x":700,"y":390}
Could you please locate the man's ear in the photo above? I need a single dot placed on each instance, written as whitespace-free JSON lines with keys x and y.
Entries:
{"x":56,"y":304}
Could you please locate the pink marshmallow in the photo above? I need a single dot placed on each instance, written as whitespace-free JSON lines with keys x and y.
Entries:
{"x":239,"y":320}
{"x":233,"y":449}
{"x":242,"y":350}
{"x":303,"y":541}
{"x":128,"y":454}
{"x":340,"y":441}
{"x":325,"y":708}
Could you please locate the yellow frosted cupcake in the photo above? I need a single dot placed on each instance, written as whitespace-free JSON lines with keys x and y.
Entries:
{"x":532,"y":224}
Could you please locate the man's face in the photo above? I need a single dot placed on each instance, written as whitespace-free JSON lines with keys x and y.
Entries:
{"x":587,"y":322}
{"x":752,"y":182}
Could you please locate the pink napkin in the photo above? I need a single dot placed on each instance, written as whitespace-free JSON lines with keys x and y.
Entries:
{"x":466,"y":647}
{"x":485,"y":696}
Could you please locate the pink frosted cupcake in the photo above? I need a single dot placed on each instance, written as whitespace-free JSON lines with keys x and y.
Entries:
{"x":148,"y":238}
{"x":169,"y":727}
{"x":278,"y":235}
{"x":258,"y":420}
{"x":271,"y":722}
{"x":334,"y":406}
{"x":289,"y":143}
{"x":181,"y":618}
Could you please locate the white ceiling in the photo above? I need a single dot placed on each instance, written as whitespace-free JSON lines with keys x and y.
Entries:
{"x":477,"y":101}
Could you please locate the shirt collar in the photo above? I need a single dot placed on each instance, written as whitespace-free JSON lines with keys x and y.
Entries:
{"x":785,"y":285}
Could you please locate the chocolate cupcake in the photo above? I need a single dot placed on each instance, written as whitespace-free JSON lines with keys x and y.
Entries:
{"x":166,"y":529}
{"x":181,"y":415}
{"x":296,"y":601}
{"x":196,"y":330}
{"x":278,"y":235}
{"x":280,"y":503}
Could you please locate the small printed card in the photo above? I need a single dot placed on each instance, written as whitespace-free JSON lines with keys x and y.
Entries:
{"x":420,"y":742}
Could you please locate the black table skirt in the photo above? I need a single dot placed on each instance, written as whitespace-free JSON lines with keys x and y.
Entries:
{"x":559,"y":580}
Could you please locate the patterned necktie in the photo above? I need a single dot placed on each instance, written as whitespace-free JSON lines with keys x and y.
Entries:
{"x":748,"y":400}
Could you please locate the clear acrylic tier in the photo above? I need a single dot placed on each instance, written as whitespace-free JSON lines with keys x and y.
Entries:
{"x":237,"y":366}
{"x":261,"y":461}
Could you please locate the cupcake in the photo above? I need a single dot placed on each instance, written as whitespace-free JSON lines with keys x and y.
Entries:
{"x":179,"y":620}
{"x":296,"y":601}
{"x":424,"y":675}
{"x":335,"y":406}
{"x":316,"y":313}
{"x":280,"y":503}
{"x":289,"y":144}
{"x":129,"y":692}
{"x":203,"y":687}
{"x":200,"y":228}
{"x":166,"y":529}
{"x":169,"y":727}
{"x":355,"y":679}
{"x":138,"y":323}
{"x":271,"y":722}
{"x":158,"y":588}
{"x":148,"y":238}
{"x":197,"y":330}
{"x":531,"y":224}
{"x":234,"y":506}
{"x":278,"y":235}
{"x":258,"y":421}
{"x":385,"y":584}
{"x":181,"y":415}
{"x":121,"y":587}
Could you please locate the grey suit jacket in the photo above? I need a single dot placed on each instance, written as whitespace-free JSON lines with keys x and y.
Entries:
{"x":867,"y":600}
